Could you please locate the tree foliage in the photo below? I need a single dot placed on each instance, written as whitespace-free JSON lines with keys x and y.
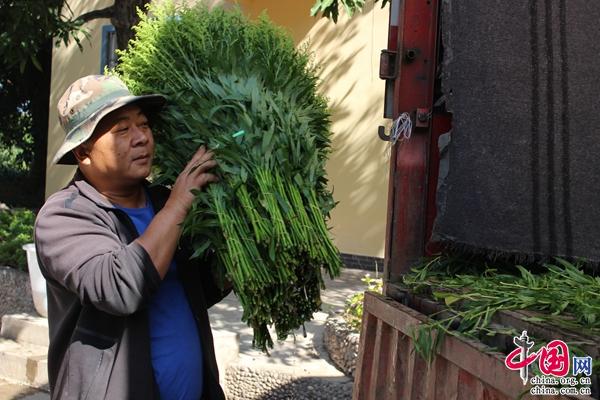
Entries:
{"x":330,"y":8}
{"x":24,"y":28}
{"x":27,"y":24}
{"x":123,"y":15}
{"x":28,"y":31}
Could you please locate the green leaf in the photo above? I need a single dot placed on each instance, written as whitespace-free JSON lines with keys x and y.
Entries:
{"x":534,"y":319}
{"x":348,"y":7}
{"x":272,"y":250}
{"x":36,"y":63}
{"x":266,"y":140}
{"x":201,"y":249}
{"x":315,"y":8}
{"x":450,"y":299}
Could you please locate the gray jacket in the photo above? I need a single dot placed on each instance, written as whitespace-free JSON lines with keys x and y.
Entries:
{"x":99,"y":284}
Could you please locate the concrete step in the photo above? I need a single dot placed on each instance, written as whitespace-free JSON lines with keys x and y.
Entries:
{"x":23,"y":363}
{"x":25,"y":328}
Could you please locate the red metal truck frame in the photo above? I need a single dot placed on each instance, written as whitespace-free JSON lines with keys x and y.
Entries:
{"x":413,"y":34}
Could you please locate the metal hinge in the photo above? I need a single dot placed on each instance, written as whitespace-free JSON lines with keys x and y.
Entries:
{"x":387,"y":64}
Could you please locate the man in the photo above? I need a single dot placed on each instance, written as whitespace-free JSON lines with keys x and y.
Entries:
{"x":127,"y":309}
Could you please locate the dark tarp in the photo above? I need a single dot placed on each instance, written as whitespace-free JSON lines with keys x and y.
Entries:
{"x":522,"y":79}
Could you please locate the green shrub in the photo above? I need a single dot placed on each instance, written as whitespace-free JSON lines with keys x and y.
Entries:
{"x":10,"y":159}
{"x":353,"y":311}
{"x":16,"y":229}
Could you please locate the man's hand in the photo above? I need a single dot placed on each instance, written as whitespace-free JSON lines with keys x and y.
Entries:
{"x":162,"y":235}
{"x":194,"y":176}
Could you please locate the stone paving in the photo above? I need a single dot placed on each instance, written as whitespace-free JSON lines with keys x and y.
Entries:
{"x":11,"y":391}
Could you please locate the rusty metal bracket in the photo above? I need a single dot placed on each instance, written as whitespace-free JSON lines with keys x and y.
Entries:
{"x":387,"y":64}
{"x":422,"y":118}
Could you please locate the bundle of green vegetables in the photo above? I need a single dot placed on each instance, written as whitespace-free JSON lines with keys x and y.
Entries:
{"x":243,"y":89}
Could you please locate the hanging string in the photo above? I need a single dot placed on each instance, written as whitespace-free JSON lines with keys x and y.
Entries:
{"x":401,"y":128}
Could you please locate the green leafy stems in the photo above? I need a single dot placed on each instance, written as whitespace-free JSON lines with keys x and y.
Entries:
{"x":561,"y":295}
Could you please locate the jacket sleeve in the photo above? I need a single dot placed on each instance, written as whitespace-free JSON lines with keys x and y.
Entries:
{"x":78,"y":249}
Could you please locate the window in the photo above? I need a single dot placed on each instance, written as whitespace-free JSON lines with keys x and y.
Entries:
{"x":108,"y":58}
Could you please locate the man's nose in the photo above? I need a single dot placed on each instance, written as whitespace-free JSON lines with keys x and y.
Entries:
{"x":139,"y":136}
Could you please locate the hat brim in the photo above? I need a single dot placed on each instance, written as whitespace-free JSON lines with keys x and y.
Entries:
{"x":150,"y":103}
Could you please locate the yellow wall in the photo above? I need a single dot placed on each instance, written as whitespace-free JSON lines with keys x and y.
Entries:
{"x":68,"y":64}
{"x":349,"y":55}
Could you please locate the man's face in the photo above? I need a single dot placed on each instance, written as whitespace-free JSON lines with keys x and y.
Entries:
{"x":121,"y":149}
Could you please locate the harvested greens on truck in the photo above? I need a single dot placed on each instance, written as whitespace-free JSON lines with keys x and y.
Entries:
{"x":242,"y":88}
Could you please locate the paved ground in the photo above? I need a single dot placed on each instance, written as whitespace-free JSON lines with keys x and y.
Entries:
{"x":9,"y":391}
{"x":302,"y":356}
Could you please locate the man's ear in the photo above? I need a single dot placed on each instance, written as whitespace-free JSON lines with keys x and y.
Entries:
{"x":81,"y":153}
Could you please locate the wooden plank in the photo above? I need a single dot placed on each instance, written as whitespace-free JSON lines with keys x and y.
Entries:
{"x":400,"y":317}
{"x":446,"y":380}
{"x":394,"y":373}
{"x":408,"y":355}
{"x":403,"y":371}
{"x":431,"y":379}
{"x":469,"y":387}
{"x":377,"y":363}
{"x":490,"y":393}
{"x":383,"y":364}
{"x":364,"y":363}
{"x":515,"y":319}
{"x":420,"y":372}
{"x":486,"y":366}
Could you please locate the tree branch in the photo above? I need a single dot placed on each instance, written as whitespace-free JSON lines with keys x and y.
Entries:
{"x":95,"y":14}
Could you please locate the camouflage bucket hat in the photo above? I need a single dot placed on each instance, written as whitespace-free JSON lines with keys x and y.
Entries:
{"x":86,"y":102}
